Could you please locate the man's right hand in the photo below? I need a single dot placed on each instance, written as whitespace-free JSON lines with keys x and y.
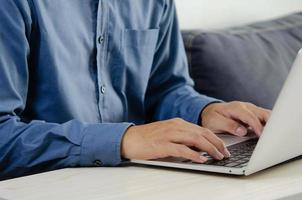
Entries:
{"x":175,"y":138}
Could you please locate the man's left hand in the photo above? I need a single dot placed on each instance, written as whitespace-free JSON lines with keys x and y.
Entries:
{"x":234,"y":118}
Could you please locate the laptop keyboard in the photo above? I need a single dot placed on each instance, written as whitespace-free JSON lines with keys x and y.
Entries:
{"x":240,"y":155}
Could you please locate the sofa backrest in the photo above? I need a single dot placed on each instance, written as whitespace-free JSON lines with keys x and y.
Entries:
{"x":246,"y":63}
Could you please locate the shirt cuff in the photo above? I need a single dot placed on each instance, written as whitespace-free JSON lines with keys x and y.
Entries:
{"x":101,"y":144}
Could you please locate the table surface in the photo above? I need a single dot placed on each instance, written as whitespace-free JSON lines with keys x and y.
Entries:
{"x":139,"y":182}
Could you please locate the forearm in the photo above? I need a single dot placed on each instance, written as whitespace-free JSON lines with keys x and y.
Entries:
{"x":183,"y":102}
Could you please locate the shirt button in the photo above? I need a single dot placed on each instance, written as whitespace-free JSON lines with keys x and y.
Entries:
{"x":101,"y":39}
{"x":103,"y":89}
{"x":98,"y":163}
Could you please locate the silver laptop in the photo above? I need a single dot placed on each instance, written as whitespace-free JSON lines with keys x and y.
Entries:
{"x":281,"y":139}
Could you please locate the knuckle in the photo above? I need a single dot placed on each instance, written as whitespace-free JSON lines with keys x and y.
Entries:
{"x":232,"y":126}
{"x":242,"y":105}
{"x":188,"y":153}
{"x":170,"y":124}
{"x":251,"y":104}
{"x":250,"y":119}
{"x":179,"y":120}
{"x":170,"y":121}
{"x":236,"y":103}
{"x":176,"y":121}
{"x":207,"y":132}
{"x":180,"y":152}
{"x":220,"y":144}
{"x":253,"y":117}
{"x":211,"y":150}
{"x":196,"y":137}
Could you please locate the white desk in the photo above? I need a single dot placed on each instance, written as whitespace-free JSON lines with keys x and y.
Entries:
{"x":130,"y":183}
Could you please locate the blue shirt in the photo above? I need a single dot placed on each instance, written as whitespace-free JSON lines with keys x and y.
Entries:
{"x":75,"y":74}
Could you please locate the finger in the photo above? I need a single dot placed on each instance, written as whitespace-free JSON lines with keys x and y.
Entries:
{"x":228,"y":125}
{"x":208,"y":147}
{"x":193,"y":135}
{"x":262,"y":113}
{"x":182,"y":151}
{"x":247,"y":117}
{"x":217,"y":142}
{"x":197,"y":140}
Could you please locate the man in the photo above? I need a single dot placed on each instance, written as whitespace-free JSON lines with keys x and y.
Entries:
{"x":90,"y":83}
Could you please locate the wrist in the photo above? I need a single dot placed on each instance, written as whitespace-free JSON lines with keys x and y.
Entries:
{"x":126,"y":146}
{"x":206,"y":109}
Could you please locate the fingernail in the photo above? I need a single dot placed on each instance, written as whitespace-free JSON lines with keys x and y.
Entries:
{"x":219,"y":156}
{"x":203,"y":159}
{"x":226,"y":153}
{"x":241,"y":131}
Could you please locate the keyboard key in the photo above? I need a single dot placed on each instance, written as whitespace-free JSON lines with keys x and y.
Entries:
{"x":240,"y":155}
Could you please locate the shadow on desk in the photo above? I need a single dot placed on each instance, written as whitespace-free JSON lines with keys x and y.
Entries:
{"x":292,"y":197}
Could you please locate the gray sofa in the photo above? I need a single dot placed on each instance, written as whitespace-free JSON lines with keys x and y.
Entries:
{"x":248,"y":63}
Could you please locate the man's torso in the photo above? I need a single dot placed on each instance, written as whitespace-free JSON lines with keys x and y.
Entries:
{"x":83,"y":54}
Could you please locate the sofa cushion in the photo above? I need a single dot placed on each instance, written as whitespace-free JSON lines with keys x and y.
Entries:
{"x":248,"y":63}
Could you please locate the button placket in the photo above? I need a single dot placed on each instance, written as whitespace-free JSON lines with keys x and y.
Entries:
{"x":101,"y":39}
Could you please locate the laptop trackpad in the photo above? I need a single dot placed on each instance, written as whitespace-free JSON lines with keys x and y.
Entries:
{"x":231,"y":139}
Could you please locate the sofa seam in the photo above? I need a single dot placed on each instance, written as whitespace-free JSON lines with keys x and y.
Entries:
{"x":231,"y":31}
